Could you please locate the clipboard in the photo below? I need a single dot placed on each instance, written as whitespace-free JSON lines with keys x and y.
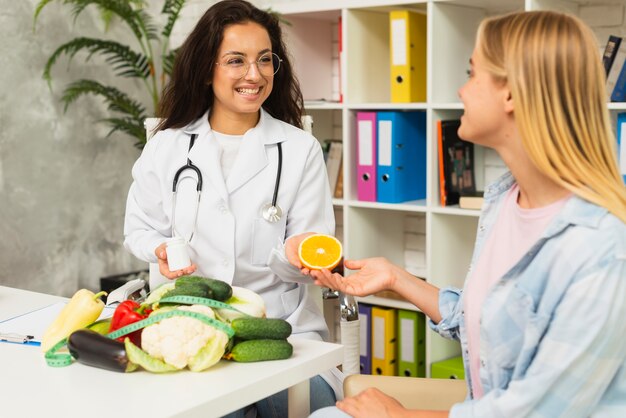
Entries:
{"x":31,"y":326}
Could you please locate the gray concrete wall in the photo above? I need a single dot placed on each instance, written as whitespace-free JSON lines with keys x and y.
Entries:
{"x":63,"y":185}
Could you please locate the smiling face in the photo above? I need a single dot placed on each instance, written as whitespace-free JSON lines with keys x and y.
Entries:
{"x":487,"y":104}
{"x":239,"y":99}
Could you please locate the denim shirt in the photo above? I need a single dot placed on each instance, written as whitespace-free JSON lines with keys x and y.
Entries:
{"x":553,"y":328}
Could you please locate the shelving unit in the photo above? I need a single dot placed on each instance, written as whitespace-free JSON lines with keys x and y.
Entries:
{"x":375,"y":229}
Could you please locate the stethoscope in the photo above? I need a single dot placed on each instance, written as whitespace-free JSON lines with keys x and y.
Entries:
{"x":271,"y":212}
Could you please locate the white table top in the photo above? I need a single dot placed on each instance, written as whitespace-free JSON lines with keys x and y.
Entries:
{"x":29,"y":386}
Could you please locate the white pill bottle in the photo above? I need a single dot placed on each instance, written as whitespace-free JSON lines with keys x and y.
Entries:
{"x":177,"y":253}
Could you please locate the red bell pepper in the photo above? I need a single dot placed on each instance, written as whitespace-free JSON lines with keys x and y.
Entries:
{"x":126,"y":313}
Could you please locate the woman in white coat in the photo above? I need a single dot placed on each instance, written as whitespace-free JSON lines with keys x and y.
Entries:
{"x":234,"y":92}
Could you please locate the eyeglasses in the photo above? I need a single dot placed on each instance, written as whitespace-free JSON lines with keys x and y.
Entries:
{"x":237,"y":67}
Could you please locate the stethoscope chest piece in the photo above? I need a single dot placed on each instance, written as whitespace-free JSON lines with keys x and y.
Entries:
{"x":271,"y":213}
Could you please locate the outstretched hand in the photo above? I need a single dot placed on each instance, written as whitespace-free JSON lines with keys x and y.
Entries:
{"x":373,"y":275}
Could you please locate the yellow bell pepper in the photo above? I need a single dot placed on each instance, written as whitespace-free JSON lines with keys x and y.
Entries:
{"x":83,"y":309}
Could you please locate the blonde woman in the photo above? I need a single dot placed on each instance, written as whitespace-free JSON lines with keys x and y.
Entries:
{"x":541,"y":319}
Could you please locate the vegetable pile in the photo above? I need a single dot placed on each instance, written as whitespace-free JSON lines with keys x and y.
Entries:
{"x":192,"y":323}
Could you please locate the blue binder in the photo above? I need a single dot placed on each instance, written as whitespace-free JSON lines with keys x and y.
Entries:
{"x":365,"y":341}
{"x":621,"y":145}
{"x":401,"y":151}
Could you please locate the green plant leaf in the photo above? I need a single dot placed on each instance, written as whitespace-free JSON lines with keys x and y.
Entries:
{"x":121,"y":8}
{"x":125,"y":62}
{"x":38,"y":9}
{"x":278,"y":16}
{"x":172,"y":9}
{"x":132,"y":126}
{"x":116,"y":100}
{"x":168,"y":61}
{"x":152,"y":32}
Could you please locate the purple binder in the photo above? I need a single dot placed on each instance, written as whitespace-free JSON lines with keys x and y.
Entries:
{"x":365,"y":343}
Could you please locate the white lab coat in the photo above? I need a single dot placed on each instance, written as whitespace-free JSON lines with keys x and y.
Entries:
{"x":232,"y":241}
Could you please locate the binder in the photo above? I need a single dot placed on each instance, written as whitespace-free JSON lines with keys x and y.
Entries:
{"x":621,"y":144}
{"x":619,"y":90}
{"x":365,"y":340}
{"x":384,"y":343}
{"x":333,"y":163}
{"x":452,"y":368}
{"x":366,"y":156}
{"x":411,"y":344}
{"x":340,"y":42}
{"x":610,"y":51}
{"x":456,"y":163}
{"x":401,"y":153}
{"x":408,"y":56}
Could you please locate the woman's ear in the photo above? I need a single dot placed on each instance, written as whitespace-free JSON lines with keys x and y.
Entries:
{"x":508,"y":101}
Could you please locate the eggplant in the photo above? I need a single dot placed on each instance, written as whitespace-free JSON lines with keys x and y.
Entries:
{"x":93,"y":349}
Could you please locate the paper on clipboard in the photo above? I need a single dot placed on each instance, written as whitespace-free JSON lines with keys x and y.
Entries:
{"x":36,"y":322}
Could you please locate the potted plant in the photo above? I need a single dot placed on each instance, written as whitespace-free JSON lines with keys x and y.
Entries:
{"x":150,"y":61}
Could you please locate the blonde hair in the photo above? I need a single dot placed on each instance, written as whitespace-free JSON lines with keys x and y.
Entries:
{"x":551,"y":64}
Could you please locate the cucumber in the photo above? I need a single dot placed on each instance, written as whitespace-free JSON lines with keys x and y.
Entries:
{"x":260,"y":350}
{"x":261,"y":328}
{"x":200,"y":290}
{"x":221,"y":290}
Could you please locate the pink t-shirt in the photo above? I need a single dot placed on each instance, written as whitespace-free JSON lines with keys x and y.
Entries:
{"x":514,"y":232}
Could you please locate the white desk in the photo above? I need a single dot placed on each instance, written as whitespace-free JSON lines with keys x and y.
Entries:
{"x":30,"y":388}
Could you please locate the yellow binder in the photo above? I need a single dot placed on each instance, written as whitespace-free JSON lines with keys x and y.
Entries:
{"x":408,"y":56}
{"x":384,"y":341}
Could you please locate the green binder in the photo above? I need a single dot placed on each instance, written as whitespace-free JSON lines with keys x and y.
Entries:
{"x":411,"y":344}
{"x":448,"y":369}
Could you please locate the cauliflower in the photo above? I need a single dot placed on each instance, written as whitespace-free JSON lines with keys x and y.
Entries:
{"x":178,"y":340}
{"x":244,"y":300}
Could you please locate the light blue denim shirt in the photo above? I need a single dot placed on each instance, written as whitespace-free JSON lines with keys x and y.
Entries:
{"x":553,"y":328}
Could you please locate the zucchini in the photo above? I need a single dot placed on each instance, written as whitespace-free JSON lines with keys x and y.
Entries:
{"x":220,"y":290}
{"x":249,"y":328}
{"x":93,"y":349}
{"x":260,"y":350}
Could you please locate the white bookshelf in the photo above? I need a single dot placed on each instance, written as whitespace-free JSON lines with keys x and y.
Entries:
{"x":376,"y":229}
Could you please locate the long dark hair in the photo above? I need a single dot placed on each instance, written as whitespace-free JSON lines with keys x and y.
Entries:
{"x":189,"y":94}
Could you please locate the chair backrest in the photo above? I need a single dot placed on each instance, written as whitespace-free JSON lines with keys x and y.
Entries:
{"x":150,"y":125}
{"x":411,"y":392}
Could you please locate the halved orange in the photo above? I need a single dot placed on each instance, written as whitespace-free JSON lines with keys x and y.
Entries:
{"x":320,"y":251}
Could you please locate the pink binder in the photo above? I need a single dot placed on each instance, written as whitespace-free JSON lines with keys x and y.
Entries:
{"x":366,"y":156}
